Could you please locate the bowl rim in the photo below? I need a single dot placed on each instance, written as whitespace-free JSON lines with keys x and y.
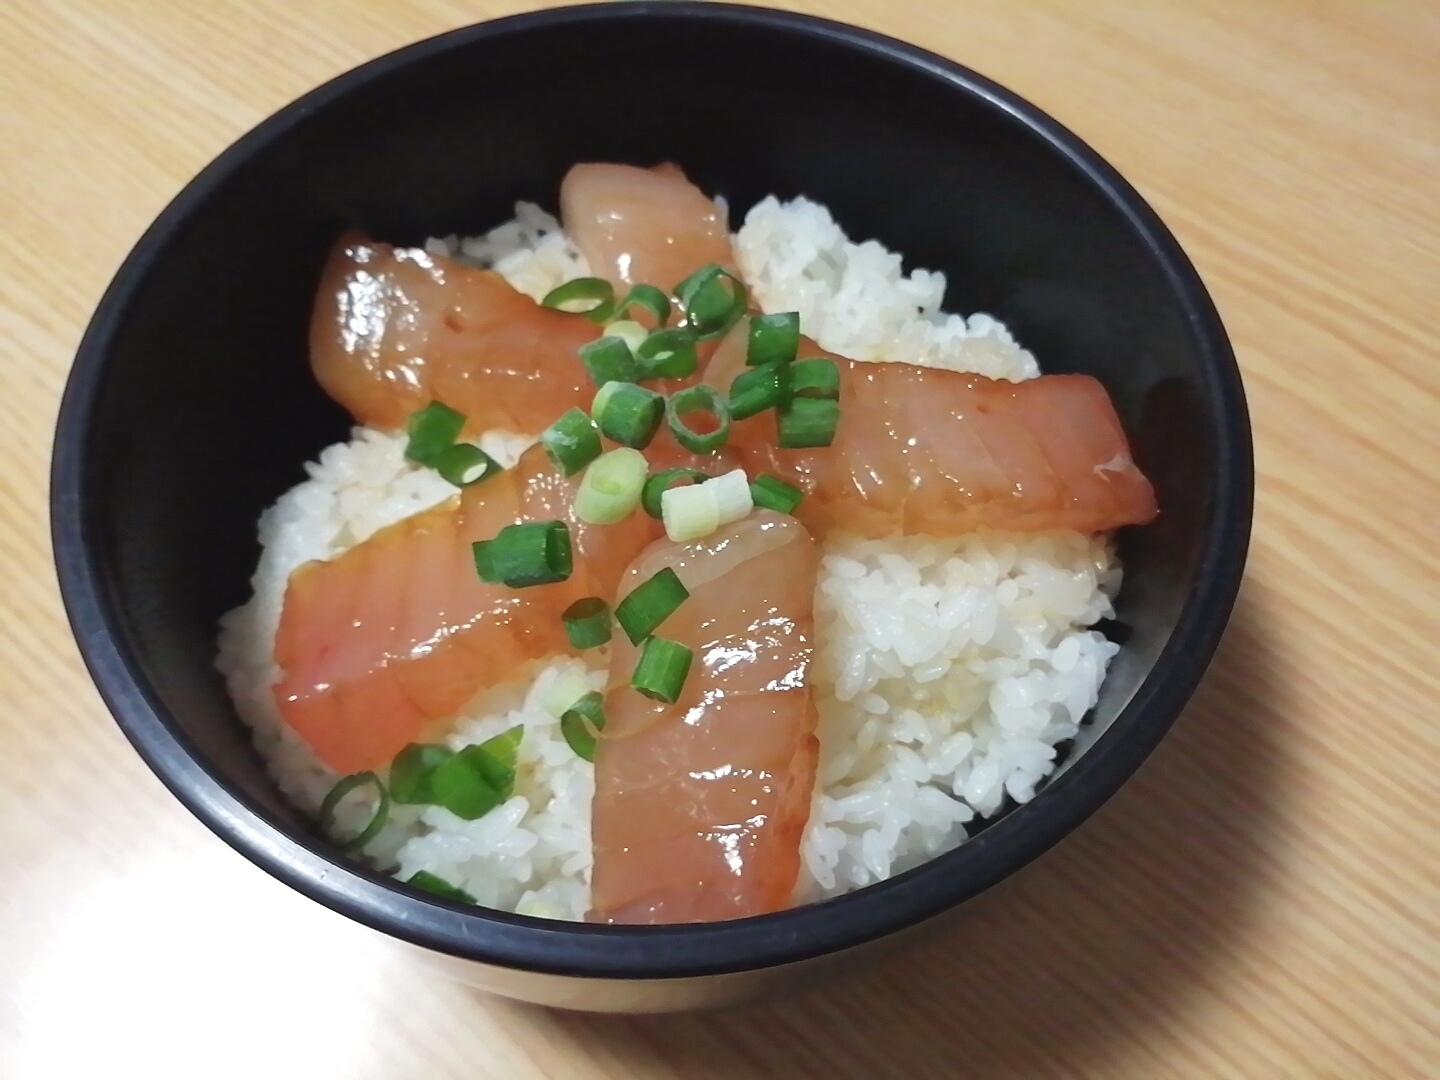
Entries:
{"x":698,"y":949}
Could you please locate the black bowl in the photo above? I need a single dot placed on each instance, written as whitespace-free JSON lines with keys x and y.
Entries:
{"x":190,"y":406}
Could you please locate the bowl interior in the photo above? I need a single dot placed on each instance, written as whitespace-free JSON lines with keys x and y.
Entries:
{"x":192,"y":407}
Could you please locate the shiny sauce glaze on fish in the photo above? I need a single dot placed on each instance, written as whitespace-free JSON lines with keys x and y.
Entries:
{"x":700,"y":806}
{"x":398,"y":632}
{"x":396,"y":328}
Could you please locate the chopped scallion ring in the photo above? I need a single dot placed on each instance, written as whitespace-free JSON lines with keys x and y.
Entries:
{"x":690,"y":513}
{"x":657,"y":484}
{"x":464,"y":464}
{"x":628,"y":331}
{"x":573,"y":441}
{"x":649,"y":604}
{"x":433,"y":883}
{"x":609,"y":359}
{"x":412,"y":771}
{"x":432,"y":430}
{"x":807,"y":422}
{"x":478,"y":778}
{"x":648,"y":297}
{"x":661,"y":670}
{"x":332,"y":803}
{"x":611,"y":488}
{"x":774,"y":339}
{"x":582,"y":722}
{"x":667,"y":354}
{"x":587,"y":622}
{"x":628,"y":414}
{"x":760,"y":388}
{"x":713,"y":300}
{"x":592,"y":297}
{"x":529,"y":553}
{"x":775,"y":494}
{"x":699,"y":398}
{"x":816,"y":377}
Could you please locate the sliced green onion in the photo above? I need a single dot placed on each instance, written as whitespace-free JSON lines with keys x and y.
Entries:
{"x":816,"y":377}
{"x":431,"y":431}
{"x":610,"y":490}
{"x":332,"y":802}
{"x":628,"y":331}
{"x":582,"y":722}
{"x":530,"y":553}
{"x":775,"y":494}
{"x":667,"y":354}
{"x":759,"y":389}
{"x":609,"y":359}
{"x":690,"y":513}
{"x":572,"y":442}
{"x":699,"y":398}
{"x":808,"y":421}
{"x":587,"y":622}
{"x":412,"y":771}
{"x":589,"y":296}
{"x":433,"y":883}
{"x":660,"y":672}
{"x":628,"y":414}
{"x":478,"y":778}
{"x":650,"y":604}
{"x":774,"y":339}
{"x":657,"y":484}
{"x":465,"y":463}
{"x":713,"y":300}
{"x":648,"y":297}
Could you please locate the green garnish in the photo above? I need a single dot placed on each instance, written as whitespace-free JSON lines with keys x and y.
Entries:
{"x":412,"y":771}
{"x":815,"y":377}
{"x":464,"y":464}
{"x":807,"y":422}
{"x":587,"y":622}
{"x":580,"y":723}
{"x":661,"y":670}
{"x":650,"y":604}
{"x":774,"y":339}
{"x":628,"y":414}
{"x":432,"y":430}
{"x":476,"y":779}
{"x":432,"y":883}
{"x":611,"y":487}
{"x":713,"y":300}
{"x":609,"y":359}
{"x":592,"y":297}
{"x":758,"y":389}
{"x":648,"y":297}
{"x":699,"y":398}
{"x":332,"y":802}
{"x":655,"y":487}
{"x":667,"y":354}
{"x":573,"y":441}
{"x":775,"y":494}
{"x":530,"y":553}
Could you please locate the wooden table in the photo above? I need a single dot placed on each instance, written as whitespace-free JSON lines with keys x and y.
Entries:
{"x":1263,"y":900}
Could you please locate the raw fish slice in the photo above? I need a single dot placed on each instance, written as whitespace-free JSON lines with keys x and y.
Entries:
{"x":395,"y":328}
{"x":700,"y":806}
{"x":927,"y":450}
{"x":399,"y":631}
{"x":650,"y":226}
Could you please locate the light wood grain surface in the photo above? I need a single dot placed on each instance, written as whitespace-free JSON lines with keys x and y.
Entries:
{"x":1263,"y":900}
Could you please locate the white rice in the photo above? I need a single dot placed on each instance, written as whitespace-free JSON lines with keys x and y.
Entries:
{"x":948,"y":670}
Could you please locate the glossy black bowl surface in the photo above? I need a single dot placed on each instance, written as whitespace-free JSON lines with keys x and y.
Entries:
{"x":191,"y":406}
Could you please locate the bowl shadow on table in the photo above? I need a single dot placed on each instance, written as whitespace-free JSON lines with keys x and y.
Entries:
{"x":1067,"y":962}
